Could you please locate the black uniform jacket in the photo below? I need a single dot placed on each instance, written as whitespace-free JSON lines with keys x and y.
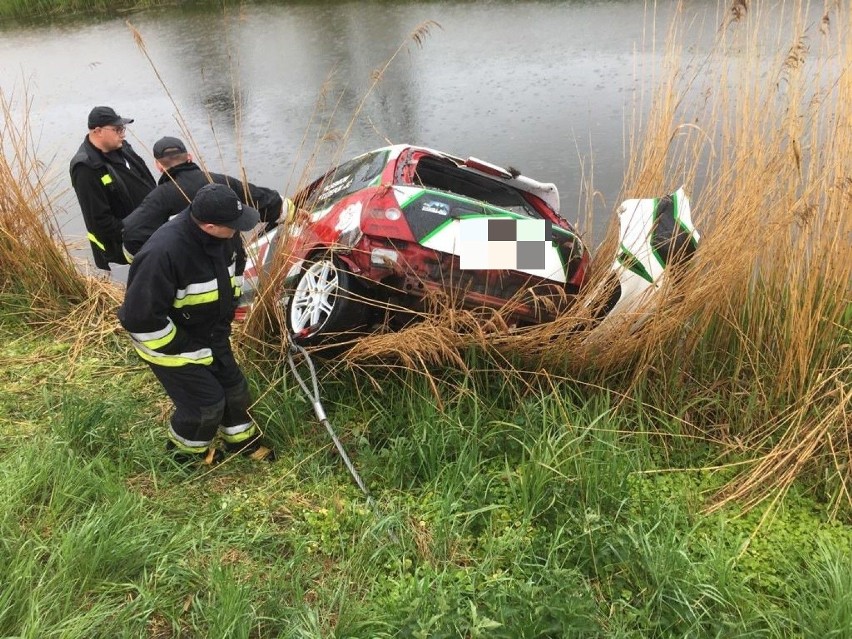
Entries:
{"x":108,"y":186}
{"x":176,"y":188}
{"x":182,"y":290}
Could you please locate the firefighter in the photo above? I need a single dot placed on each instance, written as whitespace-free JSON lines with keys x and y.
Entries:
{"x":180,"y":180}
{"x":182,"y":290}
{"x":110,"y":180}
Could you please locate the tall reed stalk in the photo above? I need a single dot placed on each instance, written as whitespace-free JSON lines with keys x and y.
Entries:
{"x":763,"y":317}
{"x":34,"y":263}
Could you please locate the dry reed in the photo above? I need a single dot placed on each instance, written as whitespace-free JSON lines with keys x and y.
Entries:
{"x":36,"y":269}
{"x":770,"y":284}
{"x":34,"y":262}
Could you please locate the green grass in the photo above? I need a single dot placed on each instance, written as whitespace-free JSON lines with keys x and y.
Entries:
{"x":37,"y":9}
{"x":45,"y":8}
{"x":508,"y":511}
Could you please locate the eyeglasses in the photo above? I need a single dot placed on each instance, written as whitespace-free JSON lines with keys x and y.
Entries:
{"x":118,"y":129}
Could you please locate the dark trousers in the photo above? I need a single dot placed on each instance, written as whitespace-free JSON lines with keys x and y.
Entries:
{"x":207,"y":398}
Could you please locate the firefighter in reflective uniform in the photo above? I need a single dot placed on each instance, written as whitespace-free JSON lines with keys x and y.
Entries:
{"x":110,"y":180}
{"x":182,"y":290}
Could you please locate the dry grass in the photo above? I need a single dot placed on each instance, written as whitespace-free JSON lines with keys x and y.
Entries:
{"x":34,"y":263}
{"x":769,"y":287}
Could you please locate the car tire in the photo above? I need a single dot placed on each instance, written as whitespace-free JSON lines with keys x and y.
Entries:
{"x":327,"y":305}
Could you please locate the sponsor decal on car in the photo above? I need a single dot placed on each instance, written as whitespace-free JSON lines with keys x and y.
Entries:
{"x":434,"y":206}
{"x":335,"y":187}
{"x":470,"y":239}
{"x":349,"y":218}
{"x":316,"y":216}
{"x":504,"y":243}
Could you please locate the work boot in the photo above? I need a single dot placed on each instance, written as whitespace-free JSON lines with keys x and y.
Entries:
{"x":254,"y":448}
{"x":210,"y":457}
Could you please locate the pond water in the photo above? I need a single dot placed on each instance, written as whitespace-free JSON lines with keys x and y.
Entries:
{"x":547,"y":87}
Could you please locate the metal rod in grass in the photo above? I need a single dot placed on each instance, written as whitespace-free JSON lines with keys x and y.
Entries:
{"x":313,"y":394}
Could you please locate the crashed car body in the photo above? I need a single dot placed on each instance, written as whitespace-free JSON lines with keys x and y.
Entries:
{"x":382,"y":234}
{"x":385,"y":229}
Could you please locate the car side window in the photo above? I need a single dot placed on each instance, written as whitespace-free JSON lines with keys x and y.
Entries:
{"x":346,"y":179}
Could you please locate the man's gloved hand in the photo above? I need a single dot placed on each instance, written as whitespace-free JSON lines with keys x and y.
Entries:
{"x":288,"y":212}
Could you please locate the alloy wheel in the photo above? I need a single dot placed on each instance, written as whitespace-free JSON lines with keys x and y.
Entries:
{"x":315,"y":295}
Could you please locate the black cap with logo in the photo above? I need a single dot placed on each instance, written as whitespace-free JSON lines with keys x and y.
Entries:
{"x":218,"y":204}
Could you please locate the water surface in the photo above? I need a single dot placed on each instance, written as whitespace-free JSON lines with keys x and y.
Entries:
{"x":547,"y":87}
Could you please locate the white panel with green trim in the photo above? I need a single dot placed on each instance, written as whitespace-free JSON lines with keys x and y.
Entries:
{"x":640,"y":268}
{"x":446,"y":237}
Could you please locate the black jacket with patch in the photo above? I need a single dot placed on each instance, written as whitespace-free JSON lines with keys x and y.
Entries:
{"x":108,"y":187}
{"x":182,"y":291}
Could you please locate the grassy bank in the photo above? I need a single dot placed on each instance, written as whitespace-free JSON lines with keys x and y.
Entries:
{"x":50,"y":9}
{"x":53,"y":8}
{"x":689,"y":478}
{"x":511,"y":512}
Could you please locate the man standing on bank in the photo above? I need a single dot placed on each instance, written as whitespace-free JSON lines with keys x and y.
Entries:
{"x":180,"y":180}
{"x":182,"y":290}
{"x":110,"y":180}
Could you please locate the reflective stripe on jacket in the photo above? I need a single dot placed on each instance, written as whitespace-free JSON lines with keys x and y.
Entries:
{"x":182,"y":290}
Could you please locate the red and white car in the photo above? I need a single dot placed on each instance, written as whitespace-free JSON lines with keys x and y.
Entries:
{"x":385,"y":233}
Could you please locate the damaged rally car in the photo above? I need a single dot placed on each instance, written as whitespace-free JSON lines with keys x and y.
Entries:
{"x":377,"y":238}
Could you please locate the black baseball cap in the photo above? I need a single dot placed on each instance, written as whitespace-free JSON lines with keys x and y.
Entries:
{"x":167,"y":146}
{"x":218,"y":204}
{"x":106,"y":116}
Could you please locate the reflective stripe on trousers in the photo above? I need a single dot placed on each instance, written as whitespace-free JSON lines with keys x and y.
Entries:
{"x":206,"y":398}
